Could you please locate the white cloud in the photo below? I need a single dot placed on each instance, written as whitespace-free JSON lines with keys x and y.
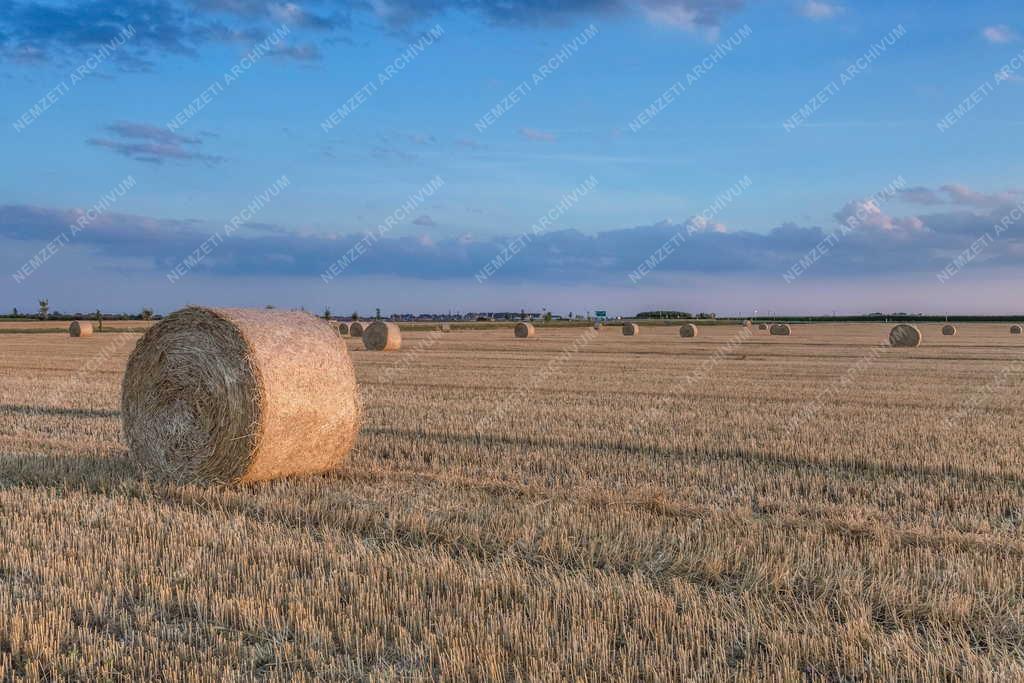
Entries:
{"x":819,"y":9}
{"x":999,"y":34}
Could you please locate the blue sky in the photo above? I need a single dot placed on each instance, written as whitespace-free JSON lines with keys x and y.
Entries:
{"x":889,"y":74}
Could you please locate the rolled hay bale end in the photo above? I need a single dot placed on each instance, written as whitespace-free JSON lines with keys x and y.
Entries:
{"x":343,"y":329}
{"x":239,"y":395}
{"x":780,"y":330}
{"x":688,"y":330}
{"x":356,"y":329}
{"x":762,"y":326}
{"x":80,"y":329}
{"x":630,"y":330}
{"x":525,"y":330}
{"x":747,"y":323}
{"x":905,"y":336}
{"x":1015,"y":329}
{"x":949,"y":330}
{"x":382,"y":336}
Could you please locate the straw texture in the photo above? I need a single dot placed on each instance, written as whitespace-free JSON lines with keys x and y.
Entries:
{"x":688,"y":330}
{"x":356,"y":329}
{"x":630,"y":329}
{"x":780,"y":330}
{"x":949,"y":330}
{"x":239,"y":395}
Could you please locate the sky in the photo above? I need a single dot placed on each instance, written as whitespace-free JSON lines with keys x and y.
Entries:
{"x":792,"y":156}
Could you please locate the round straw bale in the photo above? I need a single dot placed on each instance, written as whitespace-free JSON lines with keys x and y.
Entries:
{"x":382,"y":336}
{"x":237,"y":395}
{"x":905,"y":335}
{"x":630,"y":329}
{"x":688,"y":330}
{"x":780,"y":329}
{"x":747,"y":323}
{"x":949,"y":330}
{"x":80,"y":329}
{"x":762,"y":326}
{"x":356,"y":329}
{"x":597,"y":325}
{"x":343,"y":329}
{"x":1015,"y":329}
{"x":524,"y":330}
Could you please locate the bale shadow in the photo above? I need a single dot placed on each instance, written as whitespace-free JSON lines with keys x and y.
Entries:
{"x":55,"y":411}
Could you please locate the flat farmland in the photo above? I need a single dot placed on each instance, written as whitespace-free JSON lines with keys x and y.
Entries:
{"x":580,"y":505}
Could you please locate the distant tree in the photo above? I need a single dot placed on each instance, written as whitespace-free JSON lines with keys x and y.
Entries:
{"x":15,"y":311}
{"x":378,"y":314}
{"x":327,"y":313}
{"x":44,"y":308}
{"x":355,"y":315}
{"x":269,"y":307}
{"x":99,"y":321}
{"x":147,"y":313}
{"x":522,"y":314}
{"x":547,"y":317}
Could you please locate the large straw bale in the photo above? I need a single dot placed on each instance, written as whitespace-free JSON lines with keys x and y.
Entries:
{"x":780,"y":330}
{"x":239,"y":395}
{"x":949,"y":330}
{"x":630,"y":329}
{"x":688,"y":330}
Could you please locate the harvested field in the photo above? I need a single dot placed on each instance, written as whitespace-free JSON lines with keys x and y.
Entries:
{"x":575,"y":509}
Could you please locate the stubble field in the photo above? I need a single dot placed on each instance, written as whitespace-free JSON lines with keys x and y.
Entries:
{"x":576,"y":506}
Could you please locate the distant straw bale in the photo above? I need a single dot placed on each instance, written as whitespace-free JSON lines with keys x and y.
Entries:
{"x":630,"y":329}
{"x":780,"y":330}
{"x":382,"y":336}
{"x":525,"y":330}
{"x":903,"y":335}
{"x":688,"y":330}
{"x":80,"y":329}
{"x":356,"y":329}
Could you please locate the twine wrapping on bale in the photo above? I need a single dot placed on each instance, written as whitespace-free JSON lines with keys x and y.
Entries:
{"x":949,"y":330}
{"x":630,"y":329}
{"x":1015,"y":329}
{"x":780,"y":329}
{"x":382,"y":336}
{"x":80,"y":329}
{"x":904,"y":335}
{"x":239,"y":395}
{"x":688,"y":330}
{"x":762,"y":326}
{"x":356,"y":329}
{"x":343,"y":329}
{"x":525,"y":330}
